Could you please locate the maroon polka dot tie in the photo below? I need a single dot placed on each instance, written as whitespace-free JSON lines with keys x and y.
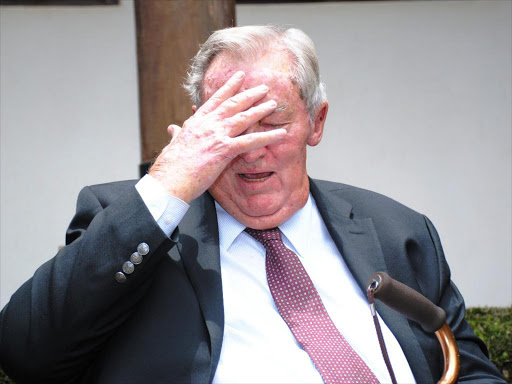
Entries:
{"x":301,"y":307}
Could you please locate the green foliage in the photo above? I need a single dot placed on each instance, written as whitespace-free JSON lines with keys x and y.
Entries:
{"x":4,"y":379}
{"x":494,"y":326}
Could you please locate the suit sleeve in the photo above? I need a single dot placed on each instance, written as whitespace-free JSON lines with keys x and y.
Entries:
{"x":58,"y":320}
{"x":475,"y":366}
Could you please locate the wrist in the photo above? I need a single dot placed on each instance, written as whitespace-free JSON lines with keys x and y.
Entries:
{"x":174,"y":186}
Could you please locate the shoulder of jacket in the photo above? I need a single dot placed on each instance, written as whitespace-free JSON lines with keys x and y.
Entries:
{"x":363,"y":200}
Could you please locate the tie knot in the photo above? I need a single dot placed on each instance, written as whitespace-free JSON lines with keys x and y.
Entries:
{"x":264,"y":235}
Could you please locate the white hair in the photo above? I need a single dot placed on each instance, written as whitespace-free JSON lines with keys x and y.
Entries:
{"x":249,"y":43}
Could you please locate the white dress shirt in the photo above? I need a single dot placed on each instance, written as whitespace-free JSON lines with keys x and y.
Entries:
{"x":258,"y":346}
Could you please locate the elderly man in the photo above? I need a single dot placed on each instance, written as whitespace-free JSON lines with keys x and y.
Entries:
{"x":227,"y":263}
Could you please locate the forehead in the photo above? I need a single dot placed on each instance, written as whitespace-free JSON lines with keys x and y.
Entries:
{"x":272,"y":69}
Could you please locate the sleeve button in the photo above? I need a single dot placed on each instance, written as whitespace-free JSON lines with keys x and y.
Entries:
{"x":120,"y":277}
{"x":136,"y":258}
{"x":143,"y":249}
{"x":128,"y":267}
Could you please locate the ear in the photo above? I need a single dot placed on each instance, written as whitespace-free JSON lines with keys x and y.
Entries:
{"x":317,"y":127}
{"x":194,"y":109}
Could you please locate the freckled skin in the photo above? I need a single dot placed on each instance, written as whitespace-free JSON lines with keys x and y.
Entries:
{"x":267,"y":203}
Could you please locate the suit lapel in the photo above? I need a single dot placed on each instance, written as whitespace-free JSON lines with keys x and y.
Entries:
{"x":355,"y":238}
{"x":198,"y":246}
{"x":358,"y":243}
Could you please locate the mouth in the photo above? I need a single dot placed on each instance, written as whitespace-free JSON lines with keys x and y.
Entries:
{"x":255,"y":177}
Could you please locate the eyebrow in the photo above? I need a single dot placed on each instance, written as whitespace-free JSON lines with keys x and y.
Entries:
{"x":282,"y":107}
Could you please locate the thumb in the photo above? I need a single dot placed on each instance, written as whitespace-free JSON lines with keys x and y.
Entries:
{"x":173,"y":131}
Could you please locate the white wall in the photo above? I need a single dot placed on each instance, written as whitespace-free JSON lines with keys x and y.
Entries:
{"x":69,"y":118}
{"x":420,"y":110}
{"x":420,"y":96}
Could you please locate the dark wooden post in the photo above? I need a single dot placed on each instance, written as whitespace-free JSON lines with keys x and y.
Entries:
{"x":168,"y":36}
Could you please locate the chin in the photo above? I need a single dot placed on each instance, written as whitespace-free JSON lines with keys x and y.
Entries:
{"x":262,"y":222}
{"x":258,"y":206}
{"x":260,"y":210}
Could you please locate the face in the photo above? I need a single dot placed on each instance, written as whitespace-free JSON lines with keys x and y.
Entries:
{"x":266,"y":186}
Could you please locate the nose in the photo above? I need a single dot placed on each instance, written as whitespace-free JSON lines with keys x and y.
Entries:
{"x":254,"y":154}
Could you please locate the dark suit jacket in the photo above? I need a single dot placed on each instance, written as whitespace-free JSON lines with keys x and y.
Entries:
{"x":73,"y":322}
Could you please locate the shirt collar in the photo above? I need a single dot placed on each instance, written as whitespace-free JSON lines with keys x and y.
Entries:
{"x":229,"y":227}
{"x":296,"y":229}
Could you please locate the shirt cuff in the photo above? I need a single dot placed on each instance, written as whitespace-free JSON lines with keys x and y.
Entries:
{"x":167,"y":210}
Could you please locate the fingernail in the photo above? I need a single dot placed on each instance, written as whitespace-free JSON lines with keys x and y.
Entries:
{"x":272,"y":103}
{"x":263,"y":88}
{"x":239,"y":75}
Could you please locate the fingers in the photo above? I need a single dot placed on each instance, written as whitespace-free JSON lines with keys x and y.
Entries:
{"x":229,"y":89}
{"x":241,"y":101}
{"x":238,"y":123}
{"x":226,"y":102}
{"x":252,"y":141}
